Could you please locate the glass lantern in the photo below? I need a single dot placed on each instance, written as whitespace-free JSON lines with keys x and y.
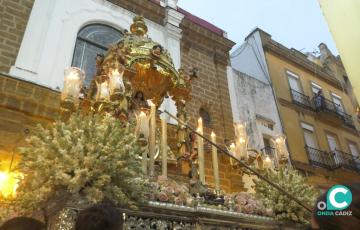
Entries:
{"x":116,"y":83}
{"x":73,"y":81}
{"x":241,"y":141}
{"x":281,"y":151}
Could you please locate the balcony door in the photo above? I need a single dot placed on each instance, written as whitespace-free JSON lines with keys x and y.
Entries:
{"x":315,"y":156}
{"x":296,"y":89}
{"x":338,"y":103}
{"x":333,"y":145}
{"x":354,"y":150}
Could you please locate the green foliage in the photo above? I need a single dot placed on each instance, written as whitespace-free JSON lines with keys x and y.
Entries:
{"x":284,"y":208}
{"x":90,"y":156}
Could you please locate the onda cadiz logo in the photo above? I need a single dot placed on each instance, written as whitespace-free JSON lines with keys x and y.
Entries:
{"x":338,"y":198}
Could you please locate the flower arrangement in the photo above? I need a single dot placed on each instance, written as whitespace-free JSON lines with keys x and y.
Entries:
{"x":168,"y":190}
{"x":247,"y":203}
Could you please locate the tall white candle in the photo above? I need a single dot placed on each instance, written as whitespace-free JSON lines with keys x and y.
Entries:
{"x":152,"y":138}
{"x":201,"y":151}
{"x":215,"y":162}
{"x":164,"y":147}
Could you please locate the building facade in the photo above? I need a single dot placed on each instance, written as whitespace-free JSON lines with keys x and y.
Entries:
{"x":42,"y":38}
{"x":316,"y":106}
{"x":253,"y":102}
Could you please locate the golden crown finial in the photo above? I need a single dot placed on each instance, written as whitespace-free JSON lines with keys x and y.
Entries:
{"x":138,"y":27}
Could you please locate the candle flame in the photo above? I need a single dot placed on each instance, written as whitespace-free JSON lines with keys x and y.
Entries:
{"x":213,"y":134}
{"x":232,"y":145}
{"x":267,"y":159}
{"x":200,"y":120}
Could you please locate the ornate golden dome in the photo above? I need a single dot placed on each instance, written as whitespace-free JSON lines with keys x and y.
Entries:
{"x":148,"y":66}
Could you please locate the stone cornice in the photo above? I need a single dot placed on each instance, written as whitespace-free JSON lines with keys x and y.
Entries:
{"x":300,"y":59}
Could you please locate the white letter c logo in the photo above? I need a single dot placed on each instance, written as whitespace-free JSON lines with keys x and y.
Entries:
{"x":332,"y":197}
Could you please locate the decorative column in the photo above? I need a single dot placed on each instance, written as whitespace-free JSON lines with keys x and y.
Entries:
{"x":173,"y":32}
{"x":164,"y":147}
{"x":152,"y":138}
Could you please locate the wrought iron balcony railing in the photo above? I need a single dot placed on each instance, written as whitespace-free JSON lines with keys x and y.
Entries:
{"x":301,"y":99}
{"x":333,"y":159}
{"x":322,"y":104}
{"x":345,"y":160}
{"x":320,"y":158}
{"x":347,"y":119}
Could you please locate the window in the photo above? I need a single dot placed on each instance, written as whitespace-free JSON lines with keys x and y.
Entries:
{"x":205,"y":115}
{"x":309,"y":135}
{"x":294,"y":82}
{"x":296,"y":89}
{"x":92,"y":40}
{"x":315,"y":88}
{"x":354,"y":150}
{"x":338,"y":103}
{"x":332,"y":141}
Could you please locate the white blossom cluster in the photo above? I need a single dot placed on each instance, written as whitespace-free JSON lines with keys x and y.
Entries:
{"x":92,"y":156}
{"x":283,"y":207}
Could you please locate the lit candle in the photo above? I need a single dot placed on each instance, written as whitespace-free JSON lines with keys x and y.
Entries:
{"x":201,"y":152}
{"x":152,"y":138}
{"x":215,"y":162}
{"x":267,"y":163}
{"x":116,"y":83}
{"x":164,"y":147}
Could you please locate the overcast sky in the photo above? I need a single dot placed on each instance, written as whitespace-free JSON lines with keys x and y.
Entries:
{"x":297,"y":24}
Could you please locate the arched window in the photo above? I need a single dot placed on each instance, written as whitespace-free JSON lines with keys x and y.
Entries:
{"x":205,"y":115}
{"x":92,"y":40}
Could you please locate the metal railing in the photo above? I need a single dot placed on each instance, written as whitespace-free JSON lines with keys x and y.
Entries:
{"x":300,"y":99}
{"x":347,"y":119}
{"x":345,"y":160}
{"x":322,"y":104}
{"x":320,"y":158}
{"x":333,"y":159}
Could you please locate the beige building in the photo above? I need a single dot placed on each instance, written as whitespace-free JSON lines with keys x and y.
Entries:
{"x":322,"y":129}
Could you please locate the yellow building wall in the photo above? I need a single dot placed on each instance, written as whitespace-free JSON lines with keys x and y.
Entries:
{"x":343,"y":18}
{"x":292,"y":117}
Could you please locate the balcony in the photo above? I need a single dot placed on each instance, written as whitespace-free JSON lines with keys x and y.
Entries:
{"x":301,"y":99}
{"x":332,"y":111}
{"x":345,"y":160}
{"x":320,"y":158}
{"x":333,"y":159}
